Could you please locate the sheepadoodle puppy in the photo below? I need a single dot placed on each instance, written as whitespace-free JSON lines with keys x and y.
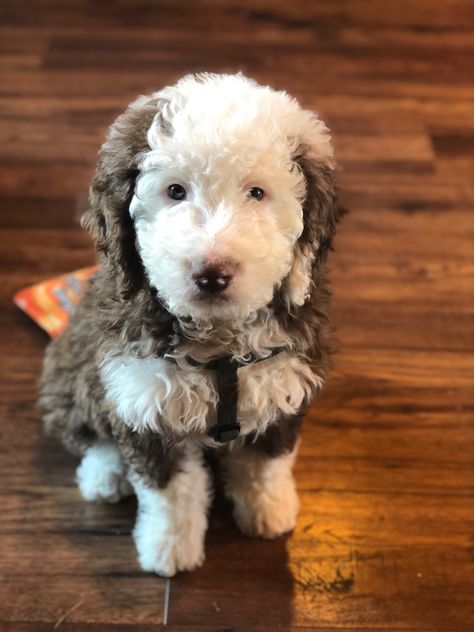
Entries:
{"x":206,"y":327}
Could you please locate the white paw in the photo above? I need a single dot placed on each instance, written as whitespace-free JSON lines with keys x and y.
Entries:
{"x":101,"y":475}
{"x":163,"y":552}
{"x":268,"y":511}
{"x":263,"y":492}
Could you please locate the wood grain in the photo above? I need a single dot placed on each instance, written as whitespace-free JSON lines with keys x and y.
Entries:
{"x":386,"y":470}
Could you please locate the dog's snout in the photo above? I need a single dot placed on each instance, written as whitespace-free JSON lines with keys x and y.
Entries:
{"x":214,"y":278}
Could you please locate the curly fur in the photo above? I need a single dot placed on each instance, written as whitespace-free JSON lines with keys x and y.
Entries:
{"x":155,"y":394}
{"x":108,"y":390}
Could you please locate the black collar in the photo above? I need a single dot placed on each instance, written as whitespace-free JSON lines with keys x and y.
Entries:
{"x":227,"y":427}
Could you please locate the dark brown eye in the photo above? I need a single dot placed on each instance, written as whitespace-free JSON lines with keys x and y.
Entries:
{"x":176,"y":192}
{"x":256,"y":193}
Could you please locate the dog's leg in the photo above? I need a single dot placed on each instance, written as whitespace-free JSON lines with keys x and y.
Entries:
{"x":102,"y":474}
{"x":259,"y":481}
{"x":172,"y":516}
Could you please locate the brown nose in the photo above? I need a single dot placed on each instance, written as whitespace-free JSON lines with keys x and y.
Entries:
{"x":214,"y":279}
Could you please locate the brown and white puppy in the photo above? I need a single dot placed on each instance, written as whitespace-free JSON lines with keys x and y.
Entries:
{"x":214,"y":208}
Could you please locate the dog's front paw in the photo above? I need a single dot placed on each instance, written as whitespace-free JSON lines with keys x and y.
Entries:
{"x":164,"y":552}
{"x":263,"y":492}
{"x":269,"y":510}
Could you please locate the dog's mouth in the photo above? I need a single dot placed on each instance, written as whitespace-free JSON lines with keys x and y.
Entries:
{"x":210,"y":299}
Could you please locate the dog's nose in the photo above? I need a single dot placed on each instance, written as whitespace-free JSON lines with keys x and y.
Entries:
{"x":214,"y":279}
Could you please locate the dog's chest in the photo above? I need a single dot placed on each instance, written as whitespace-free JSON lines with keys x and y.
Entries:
{"x":154,"y":393}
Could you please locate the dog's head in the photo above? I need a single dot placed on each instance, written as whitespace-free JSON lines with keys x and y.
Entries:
{"x":216,"y":192}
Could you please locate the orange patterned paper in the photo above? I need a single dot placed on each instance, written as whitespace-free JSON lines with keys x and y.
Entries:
{"x":51,"y":302}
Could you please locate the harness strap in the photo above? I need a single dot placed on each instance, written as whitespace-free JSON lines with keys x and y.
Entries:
{"x":227,"y":427}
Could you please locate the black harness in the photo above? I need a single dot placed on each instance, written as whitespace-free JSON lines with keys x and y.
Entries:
{"x":227,"y":427}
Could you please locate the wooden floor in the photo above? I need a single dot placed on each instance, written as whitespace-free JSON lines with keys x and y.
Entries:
{"x":386,"y":470}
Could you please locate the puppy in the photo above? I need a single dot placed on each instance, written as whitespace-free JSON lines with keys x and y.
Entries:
{"x":206,"y":326}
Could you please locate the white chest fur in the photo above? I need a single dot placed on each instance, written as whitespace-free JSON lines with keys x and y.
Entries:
{"x":154,"y":392}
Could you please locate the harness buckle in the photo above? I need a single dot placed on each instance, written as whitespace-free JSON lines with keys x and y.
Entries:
{"x":222,"y":433}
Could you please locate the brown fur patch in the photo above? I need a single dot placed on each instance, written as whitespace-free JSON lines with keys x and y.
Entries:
{"x":280,"y":438}
{"x":111,"y":191}
{"x":155,"y":460}
{"x":321,"y":211}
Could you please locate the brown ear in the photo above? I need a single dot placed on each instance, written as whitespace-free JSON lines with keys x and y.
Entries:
{"x":321,"y":213}
{"x":108,"y":218}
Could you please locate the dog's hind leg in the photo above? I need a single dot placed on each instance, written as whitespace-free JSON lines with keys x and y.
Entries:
{"x":101,"y":476}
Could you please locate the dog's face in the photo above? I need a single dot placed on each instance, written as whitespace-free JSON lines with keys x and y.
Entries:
{"x":217,"y":220}
{"x":219,"y":202}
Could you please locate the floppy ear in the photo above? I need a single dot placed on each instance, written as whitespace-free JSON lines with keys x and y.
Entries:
{"x":321,"y":212}
{"x":108,"y":218}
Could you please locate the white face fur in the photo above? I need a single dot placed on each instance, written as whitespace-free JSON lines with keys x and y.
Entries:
{"x":223,"y":140}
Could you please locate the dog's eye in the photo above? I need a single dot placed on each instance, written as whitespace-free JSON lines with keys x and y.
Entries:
{"x":256,"y":193}
{"x":176,"y":192}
